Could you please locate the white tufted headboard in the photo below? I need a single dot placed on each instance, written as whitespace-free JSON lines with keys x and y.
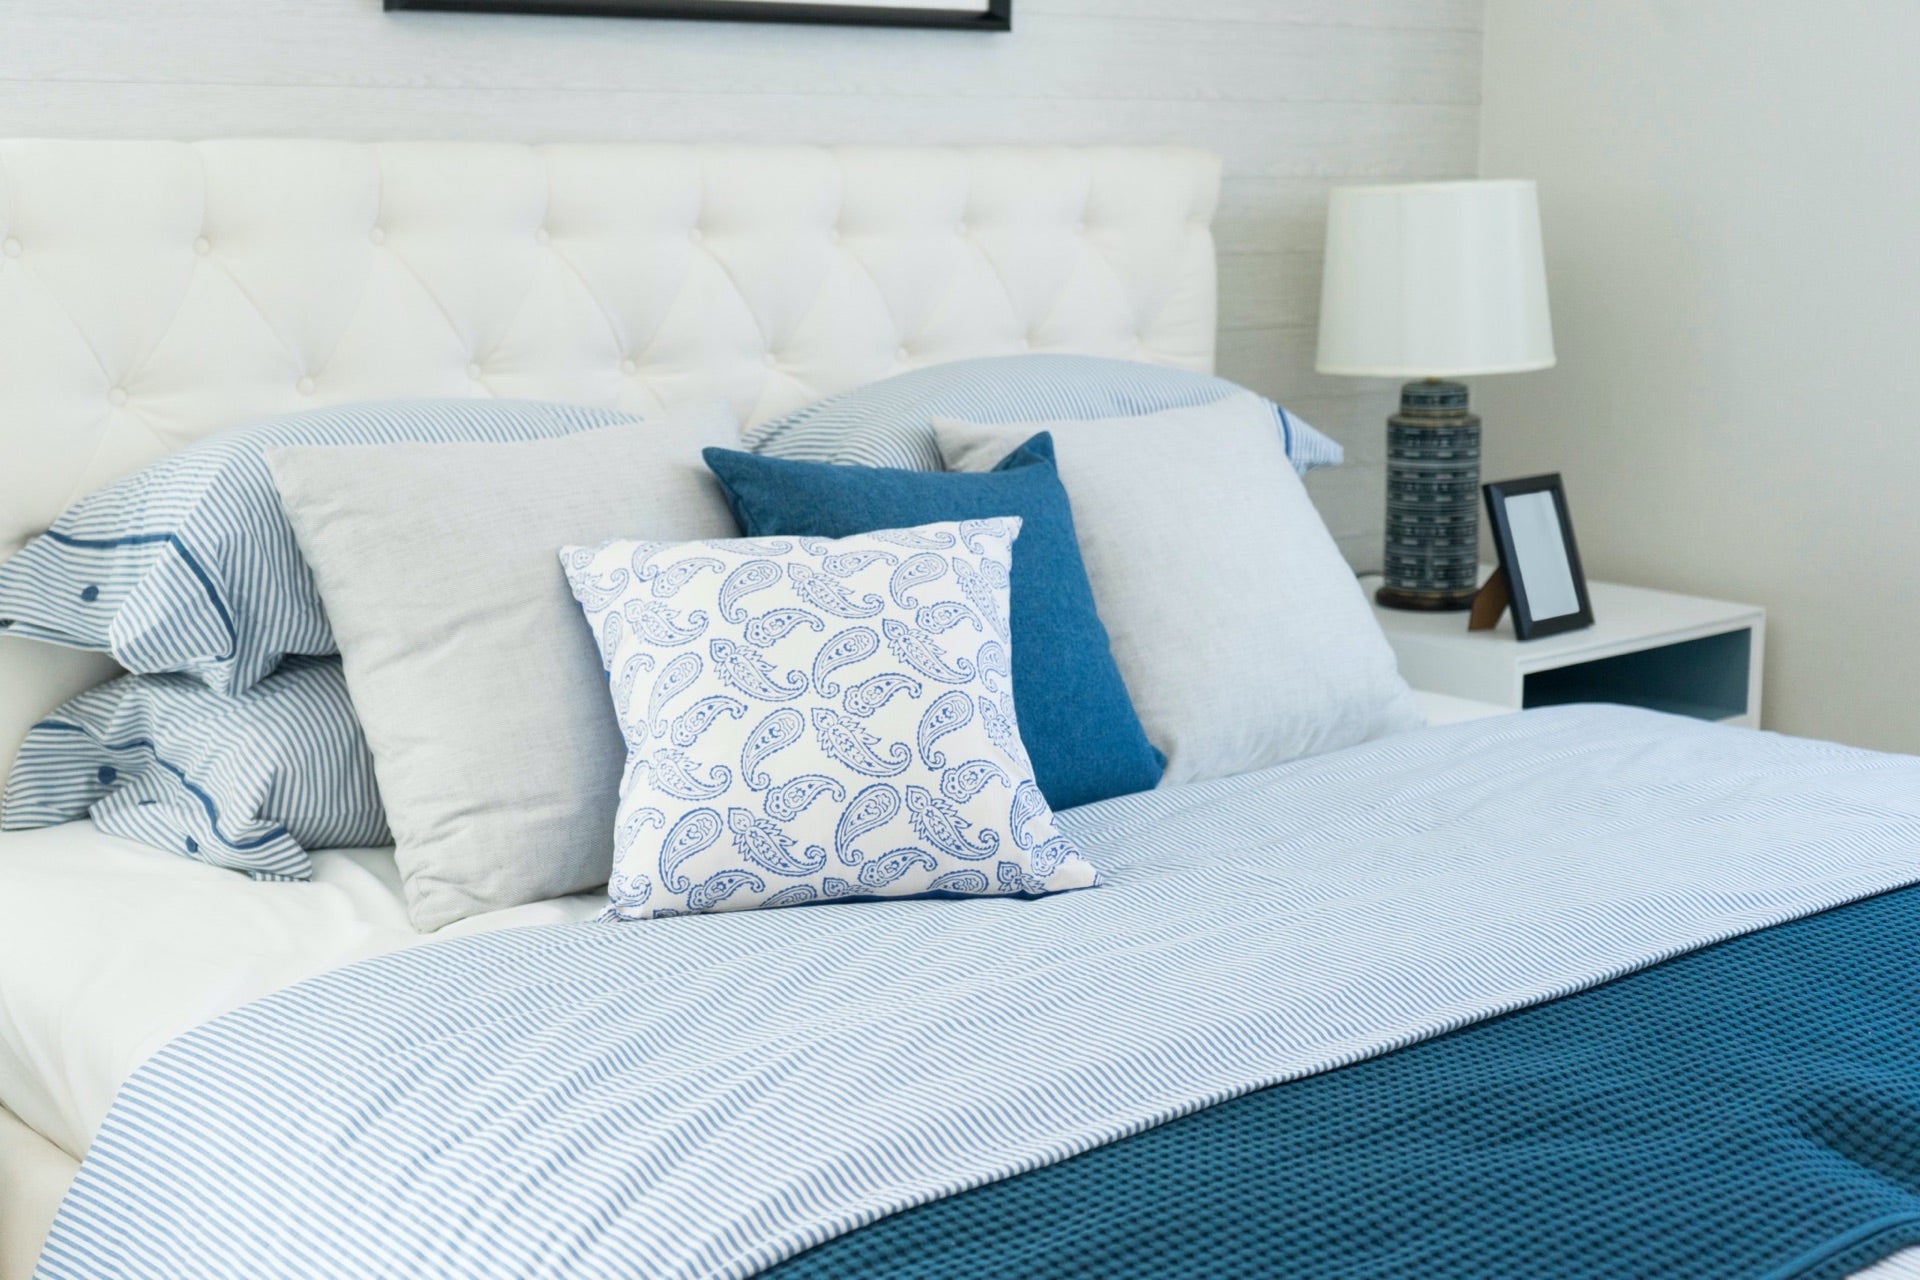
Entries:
{"x":153,"y":292}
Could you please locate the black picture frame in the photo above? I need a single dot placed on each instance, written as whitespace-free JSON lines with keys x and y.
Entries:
{"x":997,"y":15}
{"x":1525,"y":625}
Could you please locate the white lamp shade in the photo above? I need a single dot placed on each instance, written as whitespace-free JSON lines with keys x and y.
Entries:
{"x":1434,"y":280}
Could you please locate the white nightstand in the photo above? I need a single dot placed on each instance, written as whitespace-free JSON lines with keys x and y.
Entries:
{"x":1653,"y":649}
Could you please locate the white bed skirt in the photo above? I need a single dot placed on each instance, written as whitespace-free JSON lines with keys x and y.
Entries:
{"x":33,"y":1176}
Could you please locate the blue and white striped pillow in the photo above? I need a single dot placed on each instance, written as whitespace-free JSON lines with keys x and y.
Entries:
{"x":250,"y":781}
{"x":890,"y":423}
{"x":190,"y":566}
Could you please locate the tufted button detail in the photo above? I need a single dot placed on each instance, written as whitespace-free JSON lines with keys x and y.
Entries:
{"x":901,"y":354}
{"x":833,"y":235}
{"x":473,"y":371}
{"x":543,"y":235}
{"x":1025,"y":344}
{"x":696,"y":235}
{"x":1079,"y":228}
{"x":202,"y":246}
{"x":304,"y":386}
{"x":11,"y":248}
{"x":770,"y":360}
{"x":117,"y":396}
{"x":378,"y":235}
{"x":629,"y":368}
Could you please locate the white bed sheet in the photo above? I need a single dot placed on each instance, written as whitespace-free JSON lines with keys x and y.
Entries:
{"x":108,"y":949}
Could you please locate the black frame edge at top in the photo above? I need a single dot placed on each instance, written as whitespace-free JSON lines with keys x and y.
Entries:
{"x":997,"y":17}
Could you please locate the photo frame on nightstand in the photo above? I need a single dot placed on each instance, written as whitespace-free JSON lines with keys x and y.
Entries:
{"x":1539,"y":559}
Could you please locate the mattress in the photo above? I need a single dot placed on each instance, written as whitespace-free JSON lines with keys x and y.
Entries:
{"x":108,"y":949}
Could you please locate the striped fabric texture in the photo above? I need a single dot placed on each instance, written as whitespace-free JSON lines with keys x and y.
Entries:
{"x":251,"y":781}
{"x":890,"y":423}
{"x":190,"y":566}
{"x":706,"y":1096}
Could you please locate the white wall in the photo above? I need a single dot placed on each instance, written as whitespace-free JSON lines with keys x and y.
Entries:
{"x":1731,"y":196}
{"x":1296,"y":94}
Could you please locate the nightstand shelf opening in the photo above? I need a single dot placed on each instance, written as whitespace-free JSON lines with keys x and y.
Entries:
{"x":1706,"y":678}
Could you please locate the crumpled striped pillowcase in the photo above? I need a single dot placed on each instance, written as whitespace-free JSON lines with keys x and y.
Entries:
{"x":250,"y":781}
{"x":189,"y":564}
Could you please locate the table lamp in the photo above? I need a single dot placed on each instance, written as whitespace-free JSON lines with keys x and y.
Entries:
{"x":1433,"y":281}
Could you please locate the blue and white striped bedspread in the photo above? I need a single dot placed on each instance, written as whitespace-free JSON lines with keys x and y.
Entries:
{"x":709,"y":1095}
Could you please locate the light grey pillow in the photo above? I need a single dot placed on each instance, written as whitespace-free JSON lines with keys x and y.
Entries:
{"x":1237,"y":625}
{"x":476,"y":679}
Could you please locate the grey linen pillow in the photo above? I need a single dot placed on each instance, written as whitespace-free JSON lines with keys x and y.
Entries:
{"x":1238,"y":628}
{"x":472,"y":670}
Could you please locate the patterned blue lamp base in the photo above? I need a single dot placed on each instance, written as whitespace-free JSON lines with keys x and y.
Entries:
{"x":1433,"y":499}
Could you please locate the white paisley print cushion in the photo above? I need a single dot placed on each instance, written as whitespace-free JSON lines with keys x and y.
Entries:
{"x":810,"y":719}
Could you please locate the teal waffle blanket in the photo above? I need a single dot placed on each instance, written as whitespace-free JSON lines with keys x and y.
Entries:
{"x":1749,"y":1110}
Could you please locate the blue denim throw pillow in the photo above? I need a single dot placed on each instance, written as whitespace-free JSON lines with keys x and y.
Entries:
{"x":1075,"y":717}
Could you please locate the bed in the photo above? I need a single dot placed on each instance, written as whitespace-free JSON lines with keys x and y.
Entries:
{"x":1443,"y":892}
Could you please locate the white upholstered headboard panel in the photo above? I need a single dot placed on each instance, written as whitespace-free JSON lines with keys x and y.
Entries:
{"x":153,"y":292}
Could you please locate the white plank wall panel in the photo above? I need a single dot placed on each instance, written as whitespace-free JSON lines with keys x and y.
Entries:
{"x":1297,"y":95}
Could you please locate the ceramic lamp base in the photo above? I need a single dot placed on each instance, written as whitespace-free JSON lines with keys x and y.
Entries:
{"x":1432,"y":557}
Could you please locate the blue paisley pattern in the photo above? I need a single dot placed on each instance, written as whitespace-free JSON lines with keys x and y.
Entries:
{"x":917,"y":571}
{"x":924,"y":654}
{"x":675,"y":679}
{"x":667,"y":582}
{"x":855,"y":644}
{"x":987,"y":596}
{"x":743,"y":667}
{"x":823,"y":592}
{"x":873,"y":693}
{"x":632,"y":823}
{"x":623,"y":685}
{"x":995,"y":665}
{"x":971,"y":532}
{"x":673,"y":773}
{"x":812,"y":720}
{"x":927,"y":538}
{"x":945,"y":616}
{"x":695,"y":720}
{"x":768,"y":845}
{"x":950,"y":711}
{"x":1028,"y":804}
{"x":779,"y":730}
{"x":754,"y":575}
{"x":696,"y":832}
{"x":890,"y":866}
{"x":847,"y":563}
{"x":849,"y":742}
{"x":790,"y":799}
{"x":773,"y":626}
{"x":963,"y":881}
{"x":872,"y":809}
{"x":938,"y":822}
{"x":658,"y":625}
{"x":965,"y":781}
{"x":600,"y":590}
{"x":628,"y":893}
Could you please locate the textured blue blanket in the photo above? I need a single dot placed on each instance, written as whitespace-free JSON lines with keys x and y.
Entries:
{"x":1749,"y":1110}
